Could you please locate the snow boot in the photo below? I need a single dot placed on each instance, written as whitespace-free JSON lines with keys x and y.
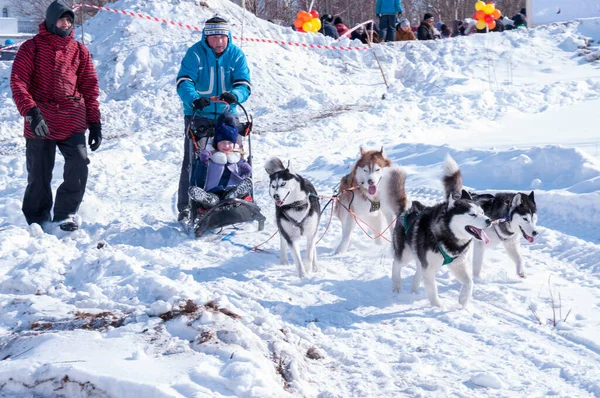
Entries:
{"x":241,"y":190}
{"x":184,"y":215}
{"x":206,"y":199}
{"x":69,"y":224}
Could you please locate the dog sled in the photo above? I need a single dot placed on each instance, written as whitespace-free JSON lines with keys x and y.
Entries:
{"x":228,"y":212}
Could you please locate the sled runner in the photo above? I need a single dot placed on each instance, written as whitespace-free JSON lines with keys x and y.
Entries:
{"x":227,"y":212}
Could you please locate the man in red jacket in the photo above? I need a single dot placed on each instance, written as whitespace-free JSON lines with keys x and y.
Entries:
{"x":55,"y":87}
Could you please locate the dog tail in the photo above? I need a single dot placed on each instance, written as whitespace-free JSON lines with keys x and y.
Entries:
{"x":274,"y":165}
{"x":452,"y":177}
{"x":395,"y":197}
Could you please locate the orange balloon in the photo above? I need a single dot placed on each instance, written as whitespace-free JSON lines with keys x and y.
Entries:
{"x":496,"y":14}
{"x":306,"y":17}
{"x":298,"y":23}
{"x":479,"y":14}
{"x":491,"y":25}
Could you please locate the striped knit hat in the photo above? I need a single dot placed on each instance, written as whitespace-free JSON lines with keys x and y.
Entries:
{"x":216,"y":26}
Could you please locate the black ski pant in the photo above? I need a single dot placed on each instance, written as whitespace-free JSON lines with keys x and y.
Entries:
{"x":204,"y":129}
{"x":40,"y":155}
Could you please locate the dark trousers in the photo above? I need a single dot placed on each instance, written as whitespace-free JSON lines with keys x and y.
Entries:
{"x":40,"y":156}
{"x":204,"y":130}
{"x":387,"y":25}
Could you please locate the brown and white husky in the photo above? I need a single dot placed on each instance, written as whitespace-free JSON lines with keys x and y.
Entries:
{"x":374,"y":191}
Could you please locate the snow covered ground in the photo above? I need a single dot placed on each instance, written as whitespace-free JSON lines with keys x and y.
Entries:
{"x":79,"y":313}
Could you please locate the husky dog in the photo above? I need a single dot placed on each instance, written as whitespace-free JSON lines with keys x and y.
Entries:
{"x":297,"y":211}
{"x":374,"y":191}
{"x":517,"y":215}
{"x":440,"y":235}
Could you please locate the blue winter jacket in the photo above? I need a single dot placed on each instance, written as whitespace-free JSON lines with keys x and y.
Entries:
{"x":202,"y":74}
{"x":388,"y":7}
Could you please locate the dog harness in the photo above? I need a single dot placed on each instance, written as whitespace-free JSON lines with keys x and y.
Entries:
{"x":447,"y":258}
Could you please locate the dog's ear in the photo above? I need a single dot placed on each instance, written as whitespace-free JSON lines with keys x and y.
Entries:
{"x":516,"y":201}
{"x":273,"y":165}
{"x":289,"y":166}
{"x":531,"y":197}
{"x":382,"y":152}
{"x":465,"y":195}
{"x":362,"y":150}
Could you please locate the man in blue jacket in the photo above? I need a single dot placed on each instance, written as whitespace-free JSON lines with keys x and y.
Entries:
{"x":387,"y":10}
{"x":212,"y":67}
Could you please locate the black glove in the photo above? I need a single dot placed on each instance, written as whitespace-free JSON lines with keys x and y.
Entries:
{"x":228,"y":97}
{"x":39,"y":128}
{"x":201,"y":103}
{"x":95,"y":137}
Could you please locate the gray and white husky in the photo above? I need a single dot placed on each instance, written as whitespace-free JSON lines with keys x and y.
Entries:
{"x":517,"y":215}
{"x":440,"y":235}
{"x":297,"y":211}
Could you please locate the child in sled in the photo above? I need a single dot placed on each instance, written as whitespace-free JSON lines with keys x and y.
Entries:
{"x":223,"y":171}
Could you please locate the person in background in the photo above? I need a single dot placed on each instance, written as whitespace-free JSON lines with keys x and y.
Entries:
{"x":499,"y":25}
{"x":445,"y":32}
{"x":212,"y":67}
{"x":457,"y":28}
{"x":520,"y":19}
{"x":426,"y":30}
{"x":55,"y":87}
{"x":403,"y":31}
{"x":357,"y":33}
{"x":387,"y":10}
{"x":370,"y":34}
{"x":327,"y":27}
{"x":339,"y":25}
{"x":5,"y":55}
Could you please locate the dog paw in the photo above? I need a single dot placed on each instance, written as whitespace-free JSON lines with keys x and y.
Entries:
{"x":464,"y":301}
{"x":397,"y":288}
{"x":522,"y":275}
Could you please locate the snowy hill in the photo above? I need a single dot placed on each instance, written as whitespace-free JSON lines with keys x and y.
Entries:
{"x":130,"y":306}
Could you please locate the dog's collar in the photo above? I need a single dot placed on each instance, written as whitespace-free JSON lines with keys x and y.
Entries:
{"x":510,"y":234}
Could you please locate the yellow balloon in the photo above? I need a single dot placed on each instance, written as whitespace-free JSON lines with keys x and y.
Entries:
{"x":316,"y":23}
{"x":307,"y":26}
{"x":481,"y":24}
{"x":489,"y":9}
{"x":479,"y":5}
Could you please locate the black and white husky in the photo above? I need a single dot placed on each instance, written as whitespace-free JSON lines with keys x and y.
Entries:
{"x":297,"y":211}
{"x":440,"y":235}
{"x":517,"y":216}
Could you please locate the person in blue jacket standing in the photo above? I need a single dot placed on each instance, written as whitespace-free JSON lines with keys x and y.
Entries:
{"x":213,"y":67}
{"x":387,"y":10}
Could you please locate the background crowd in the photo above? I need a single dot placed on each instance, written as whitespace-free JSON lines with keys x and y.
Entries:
{"x":391,"y":26}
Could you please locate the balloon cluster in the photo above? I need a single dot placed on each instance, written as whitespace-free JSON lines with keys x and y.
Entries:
{"x":486,"y":15}
{"x":307,"y":21}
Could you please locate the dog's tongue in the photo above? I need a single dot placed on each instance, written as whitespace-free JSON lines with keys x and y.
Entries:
{"x":484,"y":237}
{"x":530,"y":239}
{"x":279,"y":203}
{"x":372,"y":189}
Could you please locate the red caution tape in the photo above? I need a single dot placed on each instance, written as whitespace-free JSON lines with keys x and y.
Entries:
{"x":249,"y":39}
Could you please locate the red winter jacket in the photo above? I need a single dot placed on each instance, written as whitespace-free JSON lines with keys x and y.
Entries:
{"x":57,"y":75}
